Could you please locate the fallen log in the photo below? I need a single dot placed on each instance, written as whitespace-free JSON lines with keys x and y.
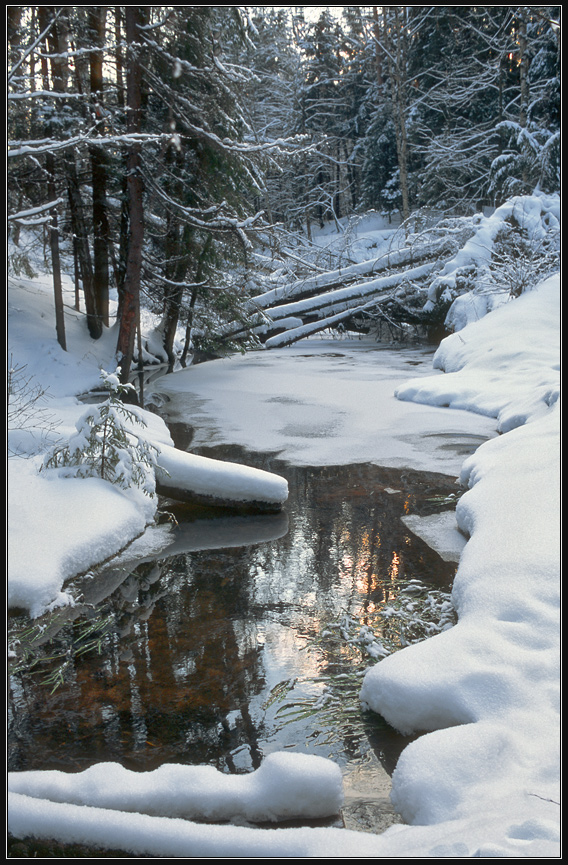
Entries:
{"x":281,"y":340}
{"x":304,"y":288}
{"x":343,"y":298}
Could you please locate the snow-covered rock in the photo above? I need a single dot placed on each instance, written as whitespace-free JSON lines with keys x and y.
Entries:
{"x":189,"y":477}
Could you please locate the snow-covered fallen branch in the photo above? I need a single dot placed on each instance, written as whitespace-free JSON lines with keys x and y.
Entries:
{"x":303,"y":288}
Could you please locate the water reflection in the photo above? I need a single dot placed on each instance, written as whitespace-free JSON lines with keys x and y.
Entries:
{"x":209,"y":642}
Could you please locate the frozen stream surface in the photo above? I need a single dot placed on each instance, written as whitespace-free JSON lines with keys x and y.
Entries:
{"x":324,"y":402}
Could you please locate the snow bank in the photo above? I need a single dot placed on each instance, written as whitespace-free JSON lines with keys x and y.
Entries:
{"x":149,"y":812}
{"x":163,"y":837}
{"x":505,"y":366}
{"x":61,"y":526}
{"x":489,"y":687}
{"x":189,"y":476}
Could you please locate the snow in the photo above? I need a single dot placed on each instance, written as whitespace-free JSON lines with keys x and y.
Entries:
{"x":536,"y":215}
{"x":440,"y":532}
{"x":210,"y":478}
{"x":494,"y":707}
{"x":494,"y":368}
{"x":98,"y":518}
{"x":285,"y":786}
{"x":483,"y":779}
{"x":323,"y":402}
{"x":169,"y":837}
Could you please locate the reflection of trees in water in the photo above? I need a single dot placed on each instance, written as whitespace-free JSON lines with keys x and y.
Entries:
{"x":181,"y":669}
{"x":360,"y":551}
{"x":209,"y":665}
{"x":347,"y":525}
{"x":175,"y":668}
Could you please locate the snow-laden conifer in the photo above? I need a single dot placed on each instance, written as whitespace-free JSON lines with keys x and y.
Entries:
{"x":109,"y":444}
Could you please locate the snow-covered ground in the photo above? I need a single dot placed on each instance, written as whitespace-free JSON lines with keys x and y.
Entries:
{"x":483,"y":781}
{"x":78,"y":523}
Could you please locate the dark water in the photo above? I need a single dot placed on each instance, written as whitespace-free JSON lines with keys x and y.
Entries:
{"x":214,"y":653}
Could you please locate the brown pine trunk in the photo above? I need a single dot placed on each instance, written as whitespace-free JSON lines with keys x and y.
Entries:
{"x":131,"y":297}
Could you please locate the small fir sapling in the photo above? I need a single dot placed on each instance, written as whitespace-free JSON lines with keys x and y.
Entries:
{"x":107,"y":445}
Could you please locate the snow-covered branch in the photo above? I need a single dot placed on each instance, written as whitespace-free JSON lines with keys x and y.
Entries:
{"x":26,"y":216}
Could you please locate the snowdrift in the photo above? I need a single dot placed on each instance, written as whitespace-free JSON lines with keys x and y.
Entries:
{"x":284,"y":787}
{"x":487,"y":689}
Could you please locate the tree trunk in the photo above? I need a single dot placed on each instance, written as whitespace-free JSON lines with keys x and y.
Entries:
{"x":80,"y":232}
{"x":397,"y":64}
{"x":131,"y":296}
{"x":97,"y":15}
{"x":55,"y":259}
{"x":120,"y":267}
{"x":378,"y":50}
{"x":45,"y":16}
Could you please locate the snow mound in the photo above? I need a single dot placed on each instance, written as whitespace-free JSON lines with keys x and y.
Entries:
{"x":284,"y":787}
{"x":99,"y":520}
{"x":497,"y":366}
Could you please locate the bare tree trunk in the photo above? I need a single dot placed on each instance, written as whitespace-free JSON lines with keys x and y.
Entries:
{"x":523,"y":68}
{"x":120,"y":266}
{"x":45,"y":16}
{"x":131,"y":298}
{"x":397,"y":68}
{"x":94,"y":322}
{"x":378,"y":50}
{"x":55,"y":258}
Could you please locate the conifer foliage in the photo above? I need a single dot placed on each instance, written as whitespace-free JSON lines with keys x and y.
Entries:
{"x":109,"y":444}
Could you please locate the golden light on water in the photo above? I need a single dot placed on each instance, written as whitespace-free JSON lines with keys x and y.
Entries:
{"x":394,"y":569}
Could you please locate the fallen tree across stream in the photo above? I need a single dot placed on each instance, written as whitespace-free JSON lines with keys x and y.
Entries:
{"x":413,"y":284}
{"x":305,"y":306}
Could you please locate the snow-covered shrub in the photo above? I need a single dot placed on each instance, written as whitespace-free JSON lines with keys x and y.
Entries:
{"x":510,"y":252}
{"x":519,"y":261}
{"x":109,"y":445}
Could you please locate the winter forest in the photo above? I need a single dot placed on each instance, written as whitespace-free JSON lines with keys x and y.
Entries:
{"x":186,"y":154}
{"x":283,"y":431}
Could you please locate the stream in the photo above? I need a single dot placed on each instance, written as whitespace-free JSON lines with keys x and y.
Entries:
{"x":227,"y":645}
